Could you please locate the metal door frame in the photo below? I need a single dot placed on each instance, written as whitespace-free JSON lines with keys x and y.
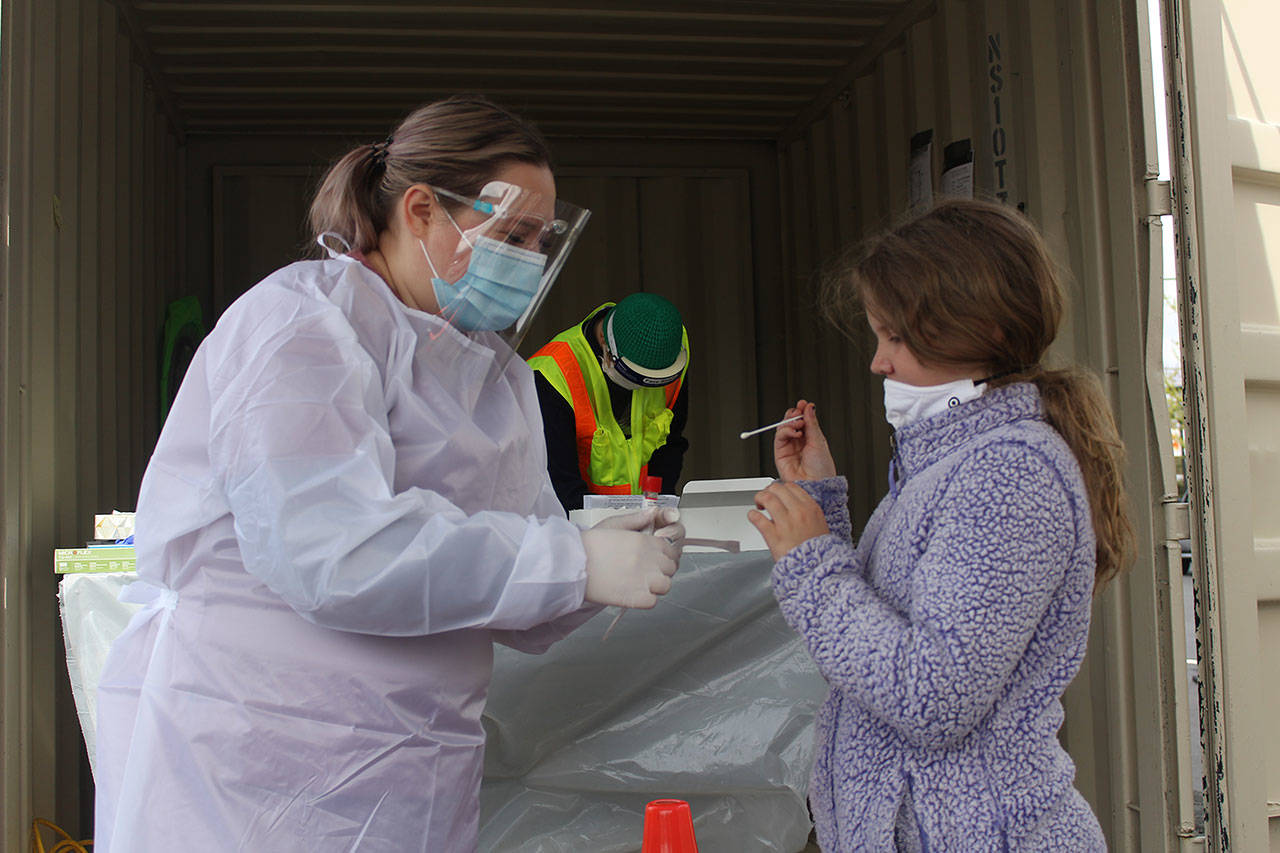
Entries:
{"x":1217,"y":470}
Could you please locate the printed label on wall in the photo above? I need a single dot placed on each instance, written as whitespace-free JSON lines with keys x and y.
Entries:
{"x":920,"y":172}
{"x":957,"y":171}
{"x":1001,"y":170}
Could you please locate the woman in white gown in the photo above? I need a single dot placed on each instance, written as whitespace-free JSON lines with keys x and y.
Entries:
{"x":348,"y":503}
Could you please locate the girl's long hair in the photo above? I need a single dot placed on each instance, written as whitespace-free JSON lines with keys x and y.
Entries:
{"x":456,"y":144}
{"x":971,"y":283}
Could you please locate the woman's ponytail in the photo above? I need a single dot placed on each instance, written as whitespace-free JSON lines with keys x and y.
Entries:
{"x":347,"y":202}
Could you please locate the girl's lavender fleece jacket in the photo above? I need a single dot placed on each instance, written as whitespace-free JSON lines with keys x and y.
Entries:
{"x":948,"y":636}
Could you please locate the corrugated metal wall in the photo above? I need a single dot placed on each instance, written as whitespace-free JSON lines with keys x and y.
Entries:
{"x":92,"y":176}
{"x":1065,"y":140}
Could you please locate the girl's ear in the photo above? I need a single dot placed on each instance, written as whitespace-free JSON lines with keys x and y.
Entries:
{"x":416,"y":207}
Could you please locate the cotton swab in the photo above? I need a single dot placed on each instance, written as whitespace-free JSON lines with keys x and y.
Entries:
{"x":733,"y":546}
{"x":771,"y":426}
{"x":609,"y":630}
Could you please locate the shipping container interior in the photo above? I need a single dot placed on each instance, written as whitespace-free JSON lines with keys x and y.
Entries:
{"x":726,"y":149}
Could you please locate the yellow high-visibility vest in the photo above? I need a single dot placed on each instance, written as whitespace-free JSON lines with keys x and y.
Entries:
{"x":610,"y":463}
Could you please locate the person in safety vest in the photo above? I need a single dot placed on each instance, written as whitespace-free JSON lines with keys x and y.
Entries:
{"x":614,"y":399}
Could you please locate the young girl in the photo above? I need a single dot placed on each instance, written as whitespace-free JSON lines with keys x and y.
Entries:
{"x":950,"y":631}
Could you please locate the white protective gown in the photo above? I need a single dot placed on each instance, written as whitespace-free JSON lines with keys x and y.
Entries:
{"x":347,"y":504}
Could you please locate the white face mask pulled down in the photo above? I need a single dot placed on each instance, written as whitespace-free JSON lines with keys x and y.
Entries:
{"x":905,"y":403}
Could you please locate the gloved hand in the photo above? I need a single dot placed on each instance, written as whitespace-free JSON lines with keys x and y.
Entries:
{"x":663,"y":518}
{"x":630,"y":568}
{"x":667,"y":520}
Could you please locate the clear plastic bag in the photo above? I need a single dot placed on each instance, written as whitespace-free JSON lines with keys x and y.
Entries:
{"x":709,"y":698}
{"x":92,"y":617}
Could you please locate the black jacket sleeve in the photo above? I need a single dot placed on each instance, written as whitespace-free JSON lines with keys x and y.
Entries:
{"x":560,"y":430}
{"x":668,"y":459}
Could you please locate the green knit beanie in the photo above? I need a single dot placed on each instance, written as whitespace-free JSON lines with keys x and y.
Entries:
{"x":647,"y":332}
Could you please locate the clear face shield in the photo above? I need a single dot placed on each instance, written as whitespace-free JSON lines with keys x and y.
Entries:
{"x":512,"y":244}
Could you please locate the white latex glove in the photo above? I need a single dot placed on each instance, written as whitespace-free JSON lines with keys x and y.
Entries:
{"x":641,"y":519}
{"x":629,"y":568}
{"x":667,"y":520}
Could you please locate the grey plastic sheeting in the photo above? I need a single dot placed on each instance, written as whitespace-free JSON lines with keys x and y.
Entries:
{"x":709,"y":697}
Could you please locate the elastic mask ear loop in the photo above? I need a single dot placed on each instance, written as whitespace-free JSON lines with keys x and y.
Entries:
{"x":461,"y":234}
{"x":436,"y":274}
{"x":435,"y":277}
{"x":454,"y":223}
{"x":993,"y":377}
{"x":423,"y":246}
{"x":333,"y":255}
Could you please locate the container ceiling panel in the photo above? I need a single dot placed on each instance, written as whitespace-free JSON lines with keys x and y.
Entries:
{"x":741,"y":69}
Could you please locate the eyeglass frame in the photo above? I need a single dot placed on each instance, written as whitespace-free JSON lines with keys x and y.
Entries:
{"x":553,"y":226}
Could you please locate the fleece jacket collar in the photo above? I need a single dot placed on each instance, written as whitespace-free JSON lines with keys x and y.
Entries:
{"x":921,"y":443}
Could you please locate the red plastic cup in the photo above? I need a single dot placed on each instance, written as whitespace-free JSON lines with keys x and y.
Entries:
{"x":668,"y":828}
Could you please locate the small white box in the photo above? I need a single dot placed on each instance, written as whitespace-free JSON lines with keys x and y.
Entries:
{"x":113,"y":525}
{"x":740,"y":491}
{"x":709,"y":509}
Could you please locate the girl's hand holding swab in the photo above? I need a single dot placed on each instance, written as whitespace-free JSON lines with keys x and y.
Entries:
{"x":800,"y":449}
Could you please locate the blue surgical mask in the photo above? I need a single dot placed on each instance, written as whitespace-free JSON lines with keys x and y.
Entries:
{"x":500,"y":282}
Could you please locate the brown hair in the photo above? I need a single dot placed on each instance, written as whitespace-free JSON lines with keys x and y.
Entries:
{"x":972,"y":283}
{"x":456,"y":144}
